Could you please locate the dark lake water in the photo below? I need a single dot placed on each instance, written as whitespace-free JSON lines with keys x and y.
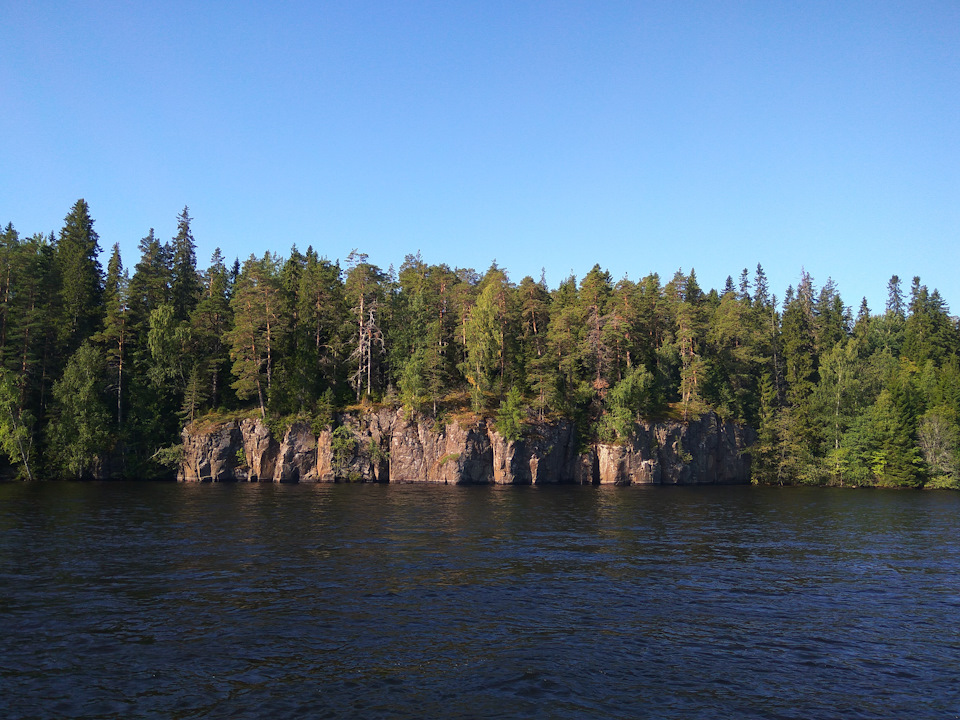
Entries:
{"x":159,"y":600}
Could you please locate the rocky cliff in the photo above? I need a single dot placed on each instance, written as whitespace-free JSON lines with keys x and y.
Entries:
{"x":390,"y":446}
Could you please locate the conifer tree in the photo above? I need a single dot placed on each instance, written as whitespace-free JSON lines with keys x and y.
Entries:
{"x":185,"y":285}
{"x":113,"y":337}
{"x":689,"y":330}
{"x":324,"y":316}
{"x":534,"y":300}
{"x":81,"y":276}
{"x":595,"y":295}
{"x":484,"y":344}
{"x":258,"y":327}
{"x":210,"y":322}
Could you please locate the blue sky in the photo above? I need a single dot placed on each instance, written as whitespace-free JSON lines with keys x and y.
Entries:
{"x":643,"y":136}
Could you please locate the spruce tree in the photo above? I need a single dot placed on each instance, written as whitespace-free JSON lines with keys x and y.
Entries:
{"x":114,"y":335}
{"x":81,"y":274}
{"x":185,"y":285}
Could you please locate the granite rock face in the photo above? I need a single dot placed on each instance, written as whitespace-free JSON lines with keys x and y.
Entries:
{"x":706,"y":451}
{"x":394,"y":446}
{"x":546,"y":454}
{"x":212,"y":454}
{"x":297,"y":455}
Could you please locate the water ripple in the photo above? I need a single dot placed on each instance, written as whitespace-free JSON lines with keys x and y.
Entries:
{"x":154,"y":600}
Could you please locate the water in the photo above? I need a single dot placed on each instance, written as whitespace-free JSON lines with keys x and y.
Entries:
{"x":185,"y":601}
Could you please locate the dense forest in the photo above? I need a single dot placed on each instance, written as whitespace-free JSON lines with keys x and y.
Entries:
{"x":106,"y":366}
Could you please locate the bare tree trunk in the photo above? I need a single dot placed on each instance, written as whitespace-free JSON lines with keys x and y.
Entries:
{"x":360,"y":348}
{"x":120,"y":387}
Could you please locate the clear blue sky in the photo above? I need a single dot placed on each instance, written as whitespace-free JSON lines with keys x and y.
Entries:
{"x":644,"y":136}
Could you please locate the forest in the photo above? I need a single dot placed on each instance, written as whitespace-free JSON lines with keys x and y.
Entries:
{"x":106,"y":366}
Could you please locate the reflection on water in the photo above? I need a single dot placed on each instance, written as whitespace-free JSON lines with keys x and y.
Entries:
{"x":247,"y":600}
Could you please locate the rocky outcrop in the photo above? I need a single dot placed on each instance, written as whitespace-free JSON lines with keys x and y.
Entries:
{"x":422,"y":450}
{"x":546,"y":454}
{"x":246,"y":450}
{"x":706,"y":451}
{"x":297,"y":456}
{"x":260,"y":450}
{"x":213,"y":453}
{"x":393,"y":446}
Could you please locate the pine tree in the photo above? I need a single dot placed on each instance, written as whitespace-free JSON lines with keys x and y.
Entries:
{"x":258,"y":327}
{"x":831,"y":318}
{"x":534,"y":302}
{"x":9,"y":253}
{"x":595,"y":295}
{"x":626,"y":403}
{"x":31,"y":318}
{"x":511,"y":415}
{"x":766,"y":452}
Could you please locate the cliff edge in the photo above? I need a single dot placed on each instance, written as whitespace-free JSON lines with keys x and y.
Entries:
{"x":391,"y":446}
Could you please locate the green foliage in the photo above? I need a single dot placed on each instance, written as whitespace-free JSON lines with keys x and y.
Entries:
{"x":766,"y":452}
{"x":185,"y":282}
{"x":413,"y":383}
{"x":167,"y":341}
{"x":81,"y":293}
{"x":94,"y":365}
{"x":81,"y":433}
{"x":258,"y":328}
{"x":376,"y":453}
{"x":323,"y":417}
{"x":938,"y":436}
{"x":510,"y":416}
{"x":278,"y":426}
{"x":484,"y":343}
{"x":15,"y":426}
{"x":169,"y":457}
{"x":627,"y":402}
{"x":342,"y":444}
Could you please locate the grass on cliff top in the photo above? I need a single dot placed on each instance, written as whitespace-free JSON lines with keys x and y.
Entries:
{"x":674,"y":412}
{"x":221,"y":416}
